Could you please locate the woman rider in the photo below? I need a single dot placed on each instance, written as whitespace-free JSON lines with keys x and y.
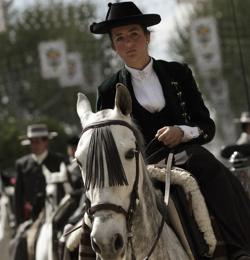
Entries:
{"x":168,"y":106}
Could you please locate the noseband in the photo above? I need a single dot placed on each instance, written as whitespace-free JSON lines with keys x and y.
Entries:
{"x":91,"y":210}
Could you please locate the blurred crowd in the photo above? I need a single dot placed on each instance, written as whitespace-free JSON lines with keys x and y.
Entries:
{"x":32,"y":194}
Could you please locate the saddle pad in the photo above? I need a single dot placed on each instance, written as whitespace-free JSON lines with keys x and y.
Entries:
{"x":196,"y":243}
{"x":193,"y":203}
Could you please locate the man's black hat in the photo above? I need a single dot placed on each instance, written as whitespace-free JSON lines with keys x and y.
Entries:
{"x":73,"y":140}
{"x":124,"y":13}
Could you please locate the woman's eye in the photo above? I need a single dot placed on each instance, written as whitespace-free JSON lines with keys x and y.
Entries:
{"x":119,"y":39}
{"x":130,"y":154}
{"x":134,"y":35}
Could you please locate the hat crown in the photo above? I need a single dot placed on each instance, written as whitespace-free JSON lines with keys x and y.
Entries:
{"x":37,"y":130}
{"x":124,"y":13}
{"x":120,"y":10}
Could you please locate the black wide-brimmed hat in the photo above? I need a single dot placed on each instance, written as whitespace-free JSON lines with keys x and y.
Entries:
{"x":124,"y":13}
{"x":73,"y":140}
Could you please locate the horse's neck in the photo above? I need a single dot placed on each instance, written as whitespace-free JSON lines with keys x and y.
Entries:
{"x":51,"y":200}
{"x":146,"y":225}
{"x":147,"y":219}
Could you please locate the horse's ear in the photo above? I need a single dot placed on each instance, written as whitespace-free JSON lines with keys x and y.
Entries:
{"x":123,"y":99}
{"x":83,"y":106}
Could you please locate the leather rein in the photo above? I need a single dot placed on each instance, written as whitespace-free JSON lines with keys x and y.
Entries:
{"x":91,"y":210}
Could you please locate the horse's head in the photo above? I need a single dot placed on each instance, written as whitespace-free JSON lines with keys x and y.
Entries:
{"x":52,"y":181}
{"x":108,"y":156}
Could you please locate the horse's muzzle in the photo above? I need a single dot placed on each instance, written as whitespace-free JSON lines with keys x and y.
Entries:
{"x":113,"y":248}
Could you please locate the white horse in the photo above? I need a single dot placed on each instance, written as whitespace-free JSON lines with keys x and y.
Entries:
{"x":123,"y":214}
{"x":44,"y":246}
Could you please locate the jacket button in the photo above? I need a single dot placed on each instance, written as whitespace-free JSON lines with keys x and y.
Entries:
{"x":174,"y":83}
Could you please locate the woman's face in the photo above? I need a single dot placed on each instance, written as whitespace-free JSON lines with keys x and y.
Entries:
{"x":131,"y":44}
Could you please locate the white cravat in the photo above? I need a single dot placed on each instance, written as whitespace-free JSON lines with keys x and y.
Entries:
{"x":148,"y":92}
{"x":147,"y":88}
{"x":39,"y":158}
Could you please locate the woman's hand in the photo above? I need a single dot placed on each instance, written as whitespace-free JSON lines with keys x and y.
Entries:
{"x":170,"y":135}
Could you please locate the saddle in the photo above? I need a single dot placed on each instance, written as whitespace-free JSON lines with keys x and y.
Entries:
{"x":187,"y":212}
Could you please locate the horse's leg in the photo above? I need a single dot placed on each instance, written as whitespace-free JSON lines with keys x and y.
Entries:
{"x":43,"y":243}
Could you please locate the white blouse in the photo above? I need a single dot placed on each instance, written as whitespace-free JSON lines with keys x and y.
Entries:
{"x":147,"y":88}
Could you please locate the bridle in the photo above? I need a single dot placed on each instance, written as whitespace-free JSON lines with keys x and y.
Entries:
{"x":128,"y":214}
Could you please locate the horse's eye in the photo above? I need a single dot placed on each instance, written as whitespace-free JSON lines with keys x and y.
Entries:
{"x":130,"y":154}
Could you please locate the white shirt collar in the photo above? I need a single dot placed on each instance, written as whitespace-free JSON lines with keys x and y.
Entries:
{"x":39,"y":158}
{"x":141,"y":74}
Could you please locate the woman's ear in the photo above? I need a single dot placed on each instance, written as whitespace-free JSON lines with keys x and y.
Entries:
{"x":148,"y":38}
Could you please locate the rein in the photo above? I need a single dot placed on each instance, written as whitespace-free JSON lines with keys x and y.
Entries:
{"x":91,"y":210}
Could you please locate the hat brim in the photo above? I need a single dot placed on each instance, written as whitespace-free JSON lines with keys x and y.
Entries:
{"x":144,"y":19}
{"x":26,"y":140}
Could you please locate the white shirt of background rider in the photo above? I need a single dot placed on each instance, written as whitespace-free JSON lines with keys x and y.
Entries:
{"x":149,"y":94}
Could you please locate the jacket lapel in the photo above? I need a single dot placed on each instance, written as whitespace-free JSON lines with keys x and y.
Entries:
{"x":168,"y":87}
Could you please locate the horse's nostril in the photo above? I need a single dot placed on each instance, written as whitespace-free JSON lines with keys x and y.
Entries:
{"x":118,"y":242}
{"x":95,"y":246}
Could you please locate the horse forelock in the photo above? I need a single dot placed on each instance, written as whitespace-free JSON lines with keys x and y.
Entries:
{"x":102,"y":147}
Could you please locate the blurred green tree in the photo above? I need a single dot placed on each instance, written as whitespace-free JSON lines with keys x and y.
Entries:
{"x":25,"y":97}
